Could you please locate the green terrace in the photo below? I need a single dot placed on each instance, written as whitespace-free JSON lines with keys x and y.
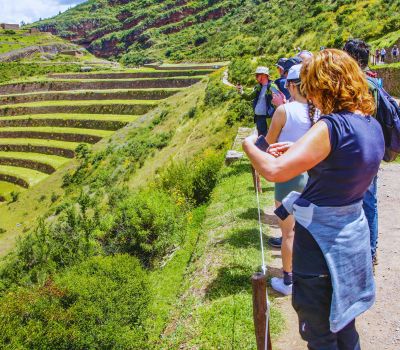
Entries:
{"x":40,"y":126}
{"x":127,"y":107}
{"x":133,"y":74}
{"x":96,"y":84}
{"x":114,"y":94}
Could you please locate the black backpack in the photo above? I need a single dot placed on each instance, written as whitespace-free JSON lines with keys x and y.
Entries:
{"x":388,"y":116}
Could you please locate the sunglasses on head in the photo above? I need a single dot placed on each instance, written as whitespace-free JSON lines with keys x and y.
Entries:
{"x":295,"y":82}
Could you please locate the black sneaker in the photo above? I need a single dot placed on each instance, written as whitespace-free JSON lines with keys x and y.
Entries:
{"x":275,"y":242}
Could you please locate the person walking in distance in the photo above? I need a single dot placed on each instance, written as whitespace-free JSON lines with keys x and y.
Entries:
{"x":333,"y":279}
{"x":395,"y":53}
{"x":289,"y":123}
{"x":383,"y":55}
{"x":359,"y":51}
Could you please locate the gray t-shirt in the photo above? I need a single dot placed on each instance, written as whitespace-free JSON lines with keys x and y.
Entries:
{"x":261,"y":107}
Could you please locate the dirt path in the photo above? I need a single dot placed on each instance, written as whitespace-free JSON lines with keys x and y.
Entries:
{"x":379,"y":327}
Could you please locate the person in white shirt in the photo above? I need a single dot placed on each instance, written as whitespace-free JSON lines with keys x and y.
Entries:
{"x":289,"y":123}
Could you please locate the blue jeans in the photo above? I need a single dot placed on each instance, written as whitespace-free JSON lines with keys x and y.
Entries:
{"x":370,"y":206}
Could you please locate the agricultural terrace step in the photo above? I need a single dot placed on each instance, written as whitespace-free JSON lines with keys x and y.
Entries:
{"x":21,"y":176}
{"x":133,"y":75}
{"x":83,"y":121}
{"x":125,"y":107}
{"x":68,"y":85}
{"x":53,"y":160}
{"x":44,"y":163}
{"x":28,"y":164}
{"x":60,"y":134}
{"x":50,"y":147}
{"x":186,"y":67}
{"x":145,"y":94}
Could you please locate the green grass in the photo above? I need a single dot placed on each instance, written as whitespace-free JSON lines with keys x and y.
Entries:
{"x":55,"y":130}
{"x":55,"y":161}
{"x":67,"y":116}
{"x":32,"y":177}
{"x":7,"y":187}
{"x":215,"y":311}
{"x":39,"y":142}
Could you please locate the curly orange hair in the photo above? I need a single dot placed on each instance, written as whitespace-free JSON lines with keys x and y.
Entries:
{"x":336,"y":82}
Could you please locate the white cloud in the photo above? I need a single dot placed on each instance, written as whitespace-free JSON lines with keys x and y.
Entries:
{"x":15,"y":11}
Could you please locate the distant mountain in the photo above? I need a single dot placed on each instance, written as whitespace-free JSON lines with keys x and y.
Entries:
{"x":141,"y":31}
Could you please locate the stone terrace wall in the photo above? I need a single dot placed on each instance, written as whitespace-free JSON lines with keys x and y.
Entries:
{"x":391,"y":80}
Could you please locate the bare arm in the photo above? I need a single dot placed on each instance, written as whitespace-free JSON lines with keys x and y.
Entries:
{"x":277,"y":124}
{"x":306,"y":153}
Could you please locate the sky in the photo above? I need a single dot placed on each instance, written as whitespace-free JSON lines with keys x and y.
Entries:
{"x":15,"y":11}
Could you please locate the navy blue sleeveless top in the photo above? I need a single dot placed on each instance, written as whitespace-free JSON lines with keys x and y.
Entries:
{"x":357,"y":148}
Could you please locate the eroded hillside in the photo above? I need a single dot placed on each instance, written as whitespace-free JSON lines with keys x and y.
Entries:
{"x":142,"y":31}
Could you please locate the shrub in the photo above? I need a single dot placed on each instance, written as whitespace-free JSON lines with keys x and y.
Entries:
{"x":50,"y":247}
{"x":101,"y":303}
{"x":146,"y":224}
{"x":217,"y":92}
{"x":193,"y":180}
{"x":14,"y":196}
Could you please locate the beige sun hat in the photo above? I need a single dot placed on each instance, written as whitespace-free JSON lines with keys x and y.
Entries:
{"x":262,"y":70}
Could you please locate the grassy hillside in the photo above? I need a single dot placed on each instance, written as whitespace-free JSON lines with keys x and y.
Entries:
{"x":111,"y":252}
{"x":178,"y":30}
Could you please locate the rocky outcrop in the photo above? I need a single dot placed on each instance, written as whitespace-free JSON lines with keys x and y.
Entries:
{"x":25,"y":52}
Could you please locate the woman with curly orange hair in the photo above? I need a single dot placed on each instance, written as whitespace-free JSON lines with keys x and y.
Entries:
{"x":332,"y":271}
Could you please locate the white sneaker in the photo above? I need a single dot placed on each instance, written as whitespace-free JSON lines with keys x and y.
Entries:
{"x":278,"y":285}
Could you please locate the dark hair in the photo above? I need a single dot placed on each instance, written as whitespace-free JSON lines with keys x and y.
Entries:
{"x":359,"y":50}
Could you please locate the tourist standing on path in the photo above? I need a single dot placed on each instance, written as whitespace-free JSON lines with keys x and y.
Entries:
{"x":395,"y":53}
{"x":262,"y":97}
{"x":332,"y":271}
{"x":383,"y":55}
{"x":377,"y":55}
{"x":359,"y":50}
{"x":289,"y":123}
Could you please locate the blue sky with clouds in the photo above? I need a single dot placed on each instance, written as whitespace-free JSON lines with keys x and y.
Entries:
{"x":15,"y":11}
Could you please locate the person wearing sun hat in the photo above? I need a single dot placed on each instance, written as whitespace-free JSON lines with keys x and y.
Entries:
{"x":262,"y":97}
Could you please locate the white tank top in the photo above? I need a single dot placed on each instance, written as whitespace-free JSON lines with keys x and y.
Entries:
{"x":297,"y":122}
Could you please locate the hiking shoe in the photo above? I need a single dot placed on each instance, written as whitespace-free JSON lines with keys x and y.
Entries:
{"x":278,"y":285}
{"x":275,"y":242}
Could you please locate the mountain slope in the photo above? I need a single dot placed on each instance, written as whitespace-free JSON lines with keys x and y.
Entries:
{"x":143,"y":30}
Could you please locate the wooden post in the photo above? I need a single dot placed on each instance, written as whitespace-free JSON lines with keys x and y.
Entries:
{"x":259,"y":283}
{"x":256,"y":181}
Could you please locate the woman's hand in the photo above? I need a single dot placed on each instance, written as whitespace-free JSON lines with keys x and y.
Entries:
{"x":279,"y":148}
{"x":278,"y":99}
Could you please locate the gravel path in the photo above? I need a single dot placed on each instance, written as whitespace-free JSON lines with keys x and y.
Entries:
{"x":379,"y":328}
